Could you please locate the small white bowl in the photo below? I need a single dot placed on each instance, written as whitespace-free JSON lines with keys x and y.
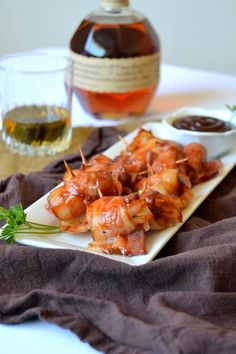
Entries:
{"x":216,"y":144}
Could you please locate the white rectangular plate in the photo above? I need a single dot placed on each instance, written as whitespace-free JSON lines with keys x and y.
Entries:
{"x":155,"y":241}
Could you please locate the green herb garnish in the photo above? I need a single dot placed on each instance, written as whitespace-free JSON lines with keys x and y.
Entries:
{"x":16,"y":224}
{"x":232,"y":108}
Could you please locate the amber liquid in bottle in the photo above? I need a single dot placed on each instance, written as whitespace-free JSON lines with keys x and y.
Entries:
{"x":129,"y":40}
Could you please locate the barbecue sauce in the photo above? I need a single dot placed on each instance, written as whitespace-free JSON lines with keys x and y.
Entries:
{"x":203,"y":124}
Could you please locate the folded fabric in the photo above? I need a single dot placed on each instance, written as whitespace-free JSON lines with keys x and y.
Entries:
{"x":182,"y":302}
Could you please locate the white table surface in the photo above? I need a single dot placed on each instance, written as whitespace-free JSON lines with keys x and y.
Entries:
{"x":179,"y":87}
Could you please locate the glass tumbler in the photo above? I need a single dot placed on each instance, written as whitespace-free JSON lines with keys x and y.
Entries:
{"x":35,"y":103}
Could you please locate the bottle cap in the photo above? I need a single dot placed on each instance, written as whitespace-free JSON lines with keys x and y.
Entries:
{"x":114,"y":4}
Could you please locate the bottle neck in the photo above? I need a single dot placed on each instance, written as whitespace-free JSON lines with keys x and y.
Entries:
{"x":114,"y":4}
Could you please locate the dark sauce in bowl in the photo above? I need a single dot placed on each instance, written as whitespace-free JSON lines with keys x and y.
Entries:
{"x":203,"y":124}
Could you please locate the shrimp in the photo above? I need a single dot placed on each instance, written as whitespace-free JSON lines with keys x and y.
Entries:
{"x":166,"y":182}
{"x":200,"y":170}
{"x":100,"y":159}
{"x":171,"y":156}
{"x":68,"y":208}
{"x":128,"y":245}
{"x":69,"y":201}
{"x":143,"y":139}
{"x":170,"y":183}
{"x":87,"y":183}
{"x":115,"y":168}
{"x":166,"y":209}
{"x":114,"y":222}
{"x":103,"y":164}
{"x":140,"y":153}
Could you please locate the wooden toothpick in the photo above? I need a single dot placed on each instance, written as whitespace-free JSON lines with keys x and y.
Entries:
{"x":181,"y":160}
{"x":99,"y":192}
{"x":144,"y":187}
{"x":68,"y":169}
{"x":84,"y":162}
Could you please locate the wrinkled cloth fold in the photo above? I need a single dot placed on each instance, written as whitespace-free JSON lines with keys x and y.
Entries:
{"x":184,"y":301}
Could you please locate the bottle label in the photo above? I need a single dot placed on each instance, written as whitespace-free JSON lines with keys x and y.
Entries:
{"x":115,"y":75}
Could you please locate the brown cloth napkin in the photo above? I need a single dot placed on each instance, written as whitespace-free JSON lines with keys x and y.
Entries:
{"x":182,"y":302}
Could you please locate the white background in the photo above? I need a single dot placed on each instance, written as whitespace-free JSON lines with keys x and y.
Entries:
{"x":194,"y":33}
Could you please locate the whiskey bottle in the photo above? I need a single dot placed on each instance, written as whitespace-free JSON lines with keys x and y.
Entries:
{"x":116,"y":54}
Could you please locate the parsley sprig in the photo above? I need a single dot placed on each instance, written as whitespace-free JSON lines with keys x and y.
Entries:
{"x":16,"y":224}
{"x":232,"y":108}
